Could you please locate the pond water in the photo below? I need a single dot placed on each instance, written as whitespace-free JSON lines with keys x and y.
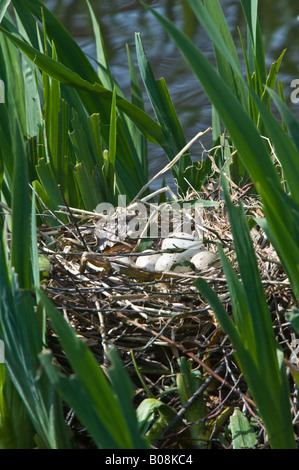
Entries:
{"x":120,"y":19}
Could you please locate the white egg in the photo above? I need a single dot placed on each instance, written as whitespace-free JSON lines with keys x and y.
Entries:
{"x":180,"y":240}
{"x":167,"y":260}
{"x":147,"y":261}
{"x":205,"y":260}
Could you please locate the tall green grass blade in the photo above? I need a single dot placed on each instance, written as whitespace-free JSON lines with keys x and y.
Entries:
{"x":51,"y":112}
{"x":240,"y":306}
{"x":112,"y":138}
{"x":285,"y":150}
{"x":289,"y":119}
{"x":225,"y":321}
{"x":32,"y":88}
{"x":68,"y":50}
{"x":256,"y":52}
{"x":225,"y":69}
{"x":81,"y":145}
{"x":123,"y":389}
{"x":251,"y":80}
{"x":270,"y":83}
{"x":243,"y":435}
{"x":211,"y":18}
{"x":254,"y":292}
{"x":65,"y":75}
{"x":137,"y":99}
{"x":165,"y":113}
{"x":271,"y":78}
{"x":11,"y":73}
{"x":35,"y":266}
{"x":20,"y":259}
{"x":104,"y":72}
{"x":83,"y":178}
{"x":33,"y":245}
{"x":160,"y":100}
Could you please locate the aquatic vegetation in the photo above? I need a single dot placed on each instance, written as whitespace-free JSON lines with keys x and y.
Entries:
{"x":71,"y":141}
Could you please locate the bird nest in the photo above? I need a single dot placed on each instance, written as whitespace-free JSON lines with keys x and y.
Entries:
{"x":154,"y":319}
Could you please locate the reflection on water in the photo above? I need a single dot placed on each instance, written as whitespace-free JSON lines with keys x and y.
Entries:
{"x":120,"y":19}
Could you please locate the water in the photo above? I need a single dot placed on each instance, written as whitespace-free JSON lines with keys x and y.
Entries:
{"x":120,"y":19}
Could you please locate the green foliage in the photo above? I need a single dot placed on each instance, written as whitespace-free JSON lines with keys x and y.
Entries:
{"x":67,"y":129}
{"x":92,"y":158}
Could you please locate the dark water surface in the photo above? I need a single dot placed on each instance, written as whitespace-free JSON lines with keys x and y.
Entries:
{"x":120,"y":19}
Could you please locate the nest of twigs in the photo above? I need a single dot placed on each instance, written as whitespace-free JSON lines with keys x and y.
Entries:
{"x":154,"y":321}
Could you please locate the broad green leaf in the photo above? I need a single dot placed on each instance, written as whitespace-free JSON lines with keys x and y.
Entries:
{"x":146,"y":412}
{"x":4,"y":4}
{"x":243,"y":435}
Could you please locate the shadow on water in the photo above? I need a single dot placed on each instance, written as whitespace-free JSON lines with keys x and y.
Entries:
{"x":120,"y":19}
